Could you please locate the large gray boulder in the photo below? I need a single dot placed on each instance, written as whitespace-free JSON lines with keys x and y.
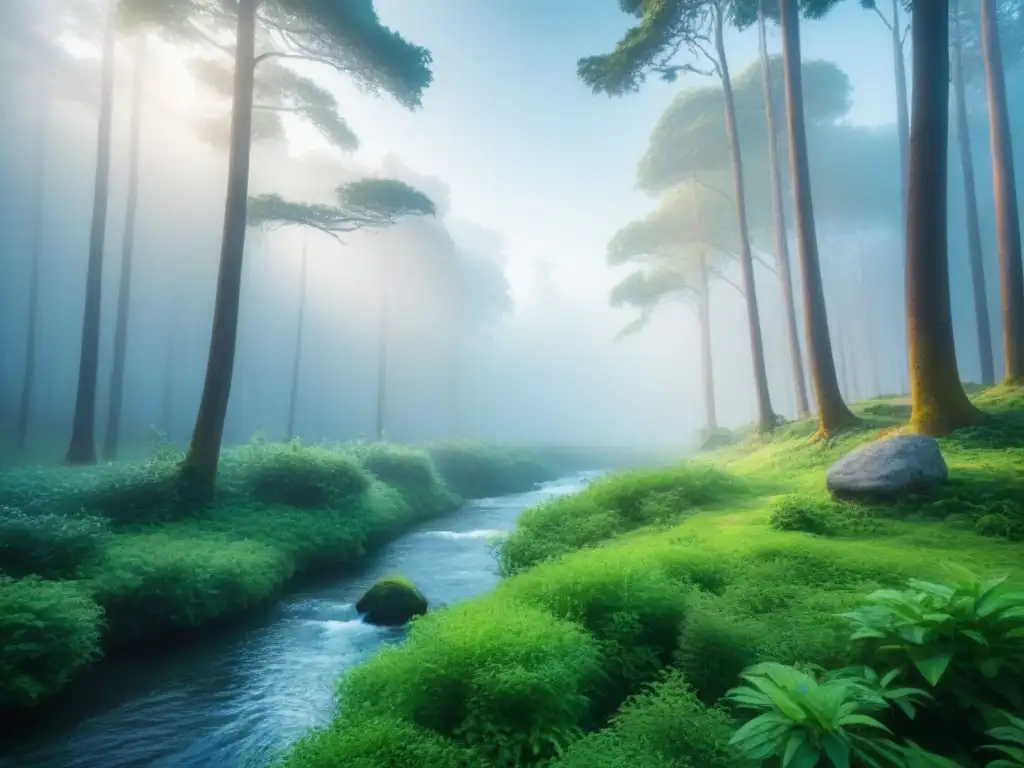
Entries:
{"x":889,"y":467}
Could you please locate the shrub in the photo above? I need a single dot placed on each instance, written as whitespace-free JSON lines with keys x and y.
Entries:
{"x":307,"y":478}
{"x":714,"y":649}
{"x":477,"y":470}
{"x":964,"y":636}
{"x":503,"y":679}
{"x":51,"y":545}
{"x":631,"y":607}
{"x":150,"y":582}
{"x":49,"y":630}
{"x":804,"y":720}
{"x":800,"y":513}
{"x":664,"y":726}
{"x":411,"y":472}
{"x":373,"y":743}
{"x":611,"y":506}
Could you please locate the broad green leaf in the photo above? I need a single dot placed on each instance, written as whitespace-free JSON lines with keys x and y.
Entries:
{"x":933,"y":667}
{"x":837,"y":750}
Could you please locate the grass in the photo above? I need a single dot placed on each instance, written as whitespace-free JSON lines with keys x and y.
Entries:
{"x":630,"y":609}
{"x":109,"y":557}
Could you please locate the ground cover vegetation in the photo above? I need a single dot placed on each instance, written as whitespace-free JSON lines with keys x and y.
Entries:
{"x":727,"y":612}
{"x":102,"y":558}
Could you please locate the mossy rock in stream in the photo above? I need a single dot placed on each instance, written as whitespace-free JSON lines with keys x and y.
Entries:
{"x":391,"y":602}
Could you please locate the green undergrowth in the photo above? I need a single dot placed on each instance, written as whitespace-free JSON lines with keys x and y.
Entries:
{"x":630,"y":609}
{"x":112,"y":557}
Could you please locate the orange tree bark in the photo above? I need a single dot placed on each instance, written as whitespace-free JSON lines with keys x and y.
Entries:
{"x":1004,"y":189}
{"x":939,"y":403}
{"x":199,"y":469}
{"x":832,"y":410}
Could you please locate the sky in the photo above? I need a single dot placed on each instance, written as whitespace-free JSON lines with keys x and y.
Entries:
{"x":524,"y":145}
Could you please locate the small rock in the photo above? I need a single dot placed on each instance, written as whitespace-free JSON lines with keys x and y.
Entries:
{"x":899,"y":464}
{"x":391,"y":602}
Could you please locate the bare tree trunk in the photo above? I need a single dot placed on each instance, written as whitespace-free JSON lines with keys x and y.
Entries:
{"x":765,"y":414}
{"x":1004,"y":189}
{"x":114,"y":408}
{"x":297,"y":359}
{"x":868,"y":325}
{"x":832,"y":410}
{"x":706,"y":355}
{"x":781,"y":241}
{"x":43,"y":92}
{"x":382,"y":347}
{"x":981,"y":319}
{"x":82,"y":449}
{"x":199,"y":469}
{"x":939,"y":403}
{"x":902,"y":112}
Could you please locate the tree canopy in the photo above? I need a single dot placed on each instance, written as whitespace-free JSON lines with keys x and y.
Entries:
{"x":362,"y":204}
{"x":345,"y":35}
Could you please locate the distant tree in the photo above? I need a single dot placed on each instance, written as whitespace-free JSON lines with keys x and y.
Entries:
{"x":1004,"y":188}
{"x":974,"y":249}
{"x":347,"y":36}
{"x":698,"y":26}
{"x":293,"y":397}
{"x":939,"y":403}
{"x":897,"y":38}
{"x":113,"y":432}
{"x":82,"y":449}
{"x":363,"y":204}
{"x":675,"y":251}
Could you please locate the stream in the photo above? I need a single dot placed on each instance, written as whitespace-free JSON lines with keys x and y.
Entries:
{"x":240,"y":696}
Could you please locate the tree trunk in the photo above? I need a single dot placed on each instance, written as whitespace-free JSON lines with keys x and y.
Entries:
{"x":112,"y":435}
{"x":82,"y":449}
{"x":939,"y":403}
{"x":869,"y":328}
{"x":297,"y":359}
{"x":1004,"y":189}
{"x":167,"y":380}
{"x":981,"y":319}
{"x":199,"y":469}
{"x":765,"y":415}
{"x":902,"y":115}
{"x":779,"y":216}
{"x":832,"y":410}
{"x":382,"y":348}
{"x":45,"y":96}
{"x":706,"y":356}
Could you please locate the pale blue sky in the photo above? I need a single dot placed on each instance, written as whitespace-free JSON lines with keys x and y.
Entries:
{"x":527,"y":149}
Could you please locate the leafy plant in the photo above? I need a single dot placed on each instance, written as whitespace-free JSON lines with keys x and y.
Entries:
{"x":1011,"y":734}
{"x":47,"y":544}
{"x":805,"y":720}
{"x":966,"y":635}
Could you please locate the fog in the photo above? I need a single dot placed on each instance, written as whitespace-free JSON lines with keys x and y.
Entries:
{"x":520,"y":345}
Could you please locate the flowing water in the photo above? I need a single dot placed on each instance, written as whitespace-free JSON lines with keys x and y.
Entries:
{"x":238,"y":697}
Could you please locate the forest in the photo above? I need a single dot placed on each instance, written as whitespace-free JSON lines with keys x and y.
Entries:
{"x":467,"y":384}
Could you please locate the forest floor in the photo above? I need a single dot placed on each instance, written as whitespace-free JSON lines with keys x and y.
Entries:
{"x":631,"y":608}
{"x":109,"y":557}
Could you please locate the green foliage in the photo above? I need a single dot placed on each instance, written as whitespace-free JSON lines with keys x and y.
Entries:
{"x":475,"y":470}
{"x":503,"y":679}
{"x":47,"y":544}
{"x":806,"y":721}
{"x":348,"y":36}
{"x":375,"y":742}
{"x":1011,"y":743}
{"x":49,"y":630}
{"x":384,"y":200}
{"x":611,"y":506}
{"x":411,"y":472}
{"x":664,"y":726}
{"x":822,"y":515}
{"x":714,"y":648}
{"x":151,"y":582}
{"x":965,"y":635}
{"x":304,"y":477}
{"x":634,"y":612}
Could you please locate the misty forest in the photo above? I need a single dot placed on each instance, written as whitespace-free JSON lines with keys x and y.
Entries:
{"x":467,"y":383}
